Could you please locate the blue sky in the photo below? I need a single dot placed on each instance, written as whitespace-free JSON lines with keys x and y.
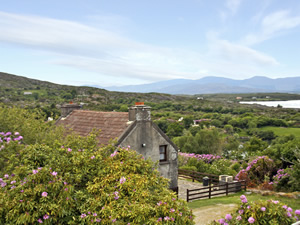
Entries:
{"x":118,"y":42}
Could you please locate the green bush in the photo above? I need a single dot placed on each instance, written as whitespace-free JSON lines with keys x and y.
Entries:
{"x":259,"y":213}
{"x":191,"y":168}
{"x":64,"y":185}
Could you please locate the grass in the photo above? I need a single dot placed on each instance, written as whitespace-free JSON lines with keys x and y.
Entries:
{"x":235,"y":198}
{"x":281,"y":131}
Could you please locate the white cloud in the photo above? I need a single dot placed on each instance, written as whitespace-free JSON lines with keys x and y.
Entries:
{"x":113,"y":55}
{"x":233,"y":5}
{"x":278,"y":21}
{"x":243,"y":54}
{"x":273,"y":25}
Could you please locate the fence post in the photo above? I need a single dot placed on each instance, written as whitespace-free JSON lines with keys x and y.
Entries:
{"x":187,"y":195}
{"x":245,"y":185}
{"x":209,"y":191}
{"x":226,"y":188}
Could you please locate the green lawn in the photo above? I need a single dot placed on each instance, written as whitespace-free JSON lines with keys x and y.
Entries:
{"x":281,"y":131}
{"x":235,"y":198}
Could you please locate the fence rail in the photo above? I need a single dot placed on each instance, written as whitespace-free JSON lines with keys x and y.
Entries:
{"x":213,"y":179}
{"x":215,"y":190}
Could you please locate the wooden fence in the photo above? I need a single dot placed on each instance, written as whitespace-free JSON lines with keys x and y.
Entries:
{"x":215,"y":190}
{"x":213,"y":179}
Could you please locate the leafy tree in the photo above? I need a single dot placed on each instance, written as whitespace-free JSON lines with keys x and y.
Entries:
{"x":187,"y":121}
{"x":174,"y":130}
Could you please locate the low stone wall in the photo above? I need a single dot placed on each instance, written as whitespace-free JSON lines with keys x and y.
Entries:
{"x":294,"y":195}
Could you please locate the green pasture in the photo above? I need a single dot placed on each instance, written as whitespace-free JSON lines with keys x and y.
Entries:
{"x":235,"y":198}
{"x":281,"y":131}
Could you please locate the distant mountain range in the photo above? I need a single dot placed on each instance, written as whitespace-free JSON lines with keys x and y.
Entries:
{"x":212,"y":85}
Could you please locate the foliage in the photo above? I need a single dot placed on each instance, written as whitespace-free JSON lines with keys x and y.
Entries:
{"x":30,"y":124}
{"x":205,"y":163}
{"x":206,"y":141}
{"x":257,"y":170}
{"x":260,"y":212}
{"x":288,"y":179}
{"x":64,"y":185}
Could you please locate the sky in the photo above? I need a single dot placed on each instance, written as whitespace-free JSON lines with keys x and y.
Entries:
{"x":124,"y":42}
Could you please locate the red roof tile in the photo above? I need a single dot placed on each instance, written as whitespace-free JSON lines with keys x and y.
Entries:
{"x":111,"y":124}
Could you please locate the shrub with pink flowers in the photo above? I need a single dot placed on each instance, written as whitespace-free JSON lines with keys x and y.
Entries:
{"x":259,"y":213}
{"x":205,"y":163}
{"x":257,"y":170}
{"x":72,"y":184}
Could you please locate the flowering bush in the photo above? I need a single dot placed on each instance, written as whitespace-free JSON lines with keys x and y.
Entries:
{"x":66,"y":184}
{"x":260,"y":212}
{"x":207,"y":158}
{"x":256,"y":171}
{"x":205,"y":163}
{"x":9,"y":146}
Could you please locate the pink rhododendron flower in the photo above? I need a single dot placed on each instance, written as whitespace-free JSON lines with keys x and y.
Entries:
{"x":228,"y":217}
{"x":297,"y":212}
{"x":251,"y":220}
{"x":40,"y":220}
{"x":239,"y":218}
{"x":114,"y":154}
{"x":83,"y":215}
{"x":44,"y":194}
{"x":69,"y":149}
{"x":172,"y":210}
{"x":166,"y":218}
{"x":263,"y":209}
{"x":54,"y":173}
{"x":35,"y":171}
{"x":122,"y":180}
{"x":221,"y":221}
{"x":46,"y":216}
{"x":93,"y":157}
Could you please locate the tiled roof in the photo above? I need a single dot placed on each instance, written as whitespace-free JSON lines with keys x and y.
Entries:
{"x":111,"y":124}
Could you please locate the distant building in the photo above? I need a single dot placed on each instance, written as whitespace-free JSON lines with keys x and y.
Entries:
{"x":254,"y":98}
{"x":267,"y":96}
{"x":134,"y":128}
{"x":239,"y":98}
{"x":197,"y":122}
{"x":27,"y":93}
{"x":200,"y":98}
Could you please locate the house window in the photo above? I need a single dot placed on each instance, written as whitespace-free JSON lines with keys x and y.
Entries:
{"x":162,"y":153}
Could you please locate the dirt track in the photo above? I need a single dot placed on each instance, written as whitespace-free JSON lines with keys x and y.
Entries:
{"x":204,"y":215}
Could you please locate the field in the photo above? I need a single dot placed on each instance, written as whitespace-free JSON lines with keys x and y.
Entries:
{"x":235,"y":199}
{"x":281,"y":131}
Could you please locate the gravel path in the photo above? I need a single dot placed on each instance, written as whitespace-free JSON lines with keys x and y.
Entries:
{"x":204,"y":215}
{"x":183,"y":185}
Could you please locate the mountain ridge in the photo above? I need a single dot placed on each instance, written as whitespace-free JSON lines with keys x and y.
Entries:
{"x":214,"y":84}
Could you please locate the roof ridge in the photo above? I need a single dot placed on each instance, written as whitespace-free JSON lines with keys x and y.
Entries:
{"x":82,"y":110}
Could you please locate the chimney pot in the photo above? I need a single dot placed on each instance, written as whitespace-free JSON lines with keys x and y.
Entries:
{"x":140,"y":113}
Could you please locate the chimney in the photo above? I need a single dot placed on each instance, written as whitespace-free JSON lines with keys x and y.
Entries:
{"x":139,"y":112}
{"x":68,"y":108}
